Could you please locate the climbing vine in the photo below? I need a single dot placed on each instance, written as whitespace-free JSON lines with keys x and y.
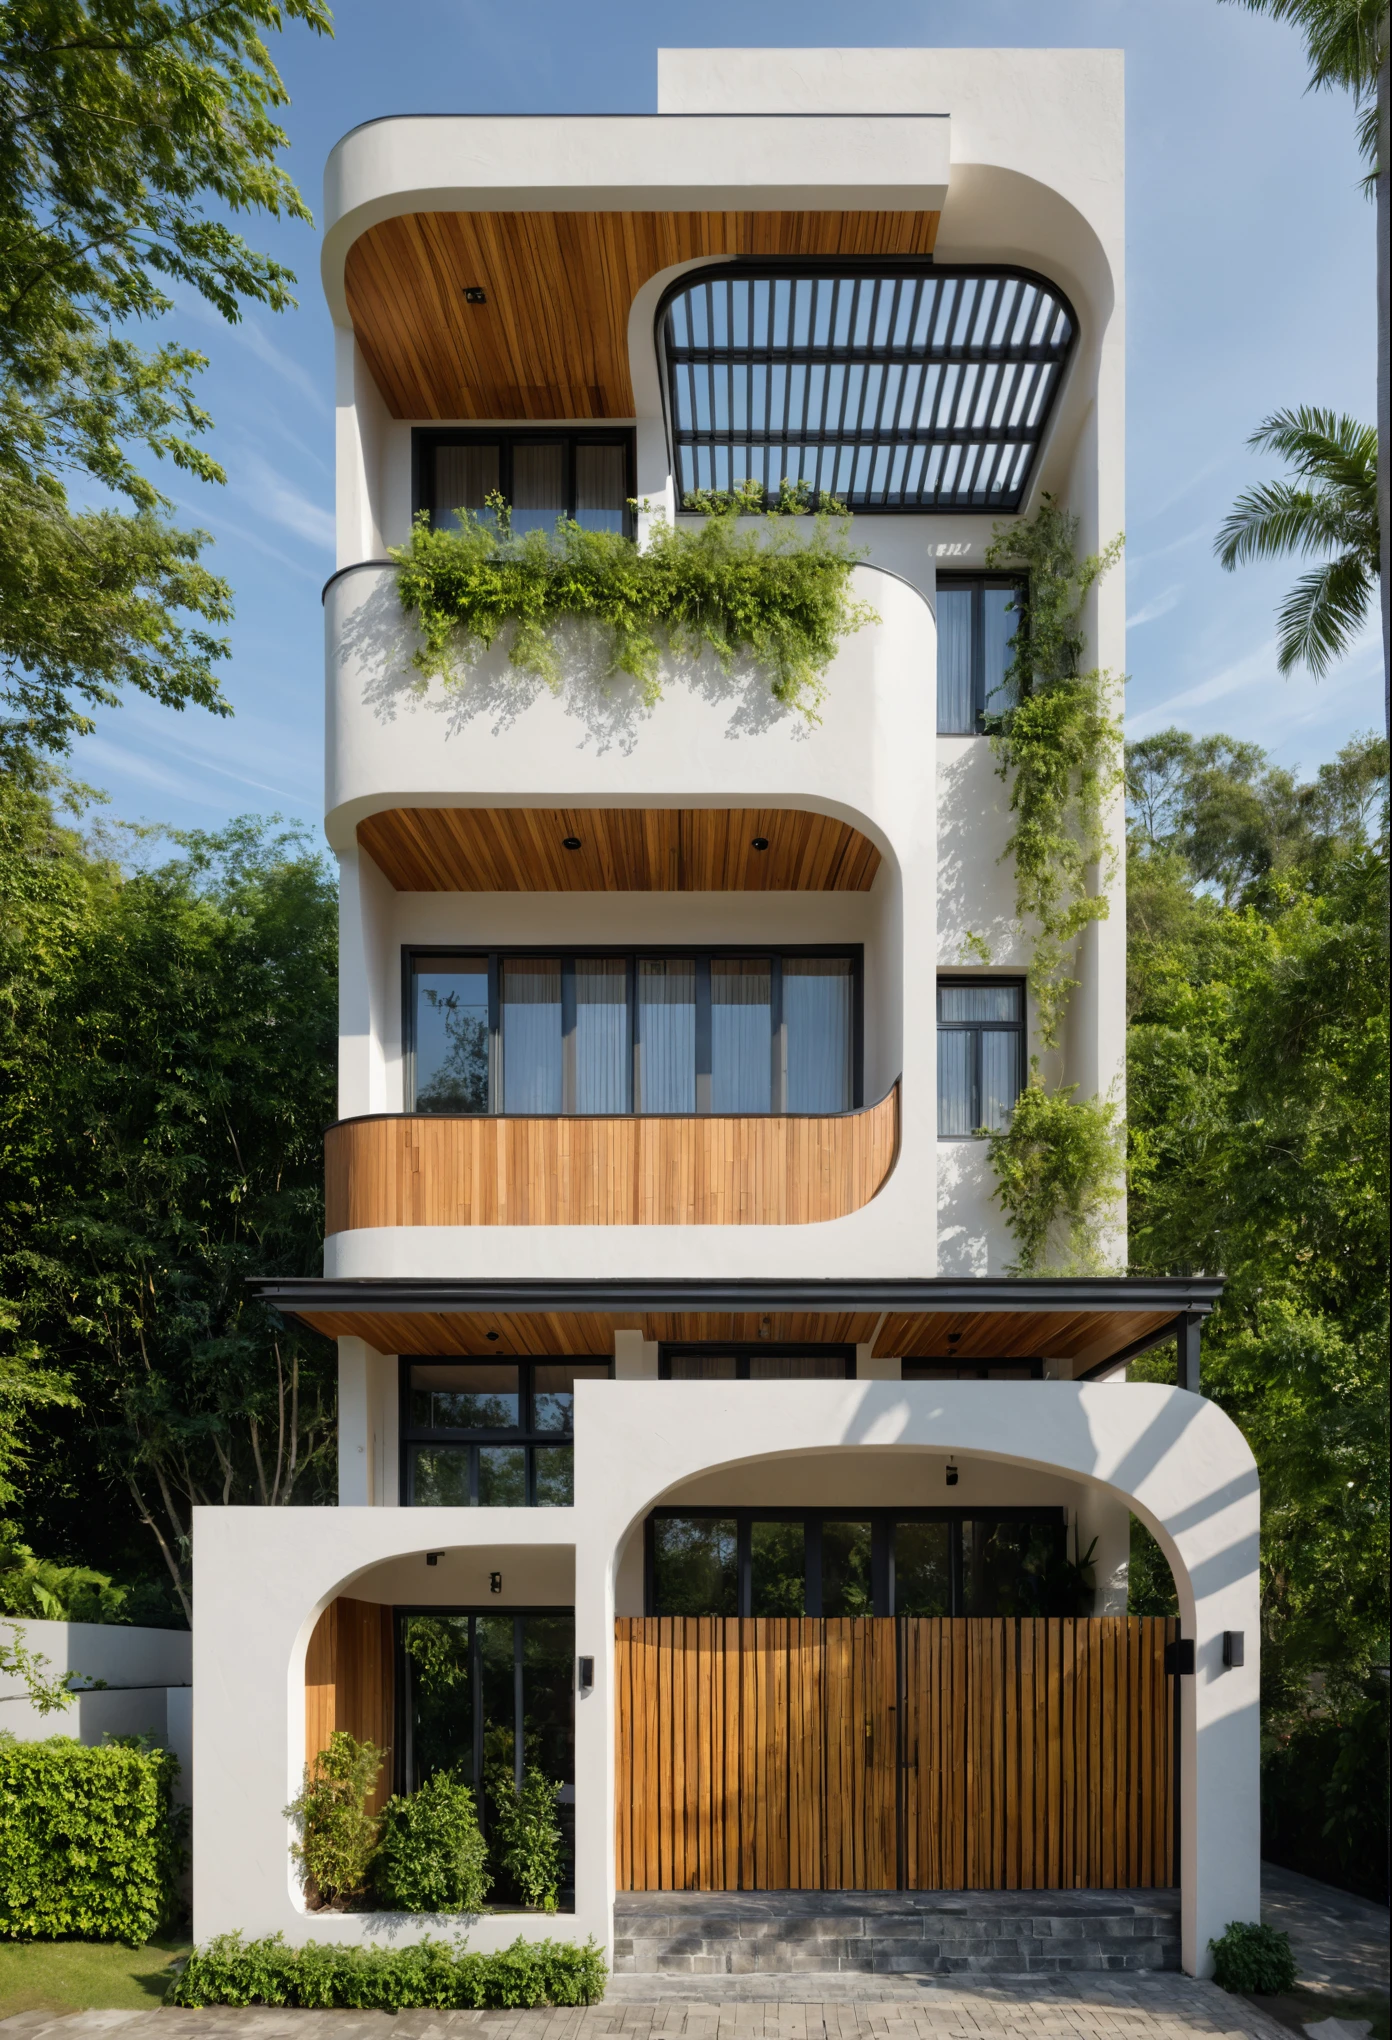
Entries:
{"x":776,"y":594}
{"x":1059,"y":748}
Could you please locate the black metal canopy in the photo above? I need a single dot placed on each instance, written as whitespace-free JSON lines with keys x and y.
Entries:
{"x":893,"y":387}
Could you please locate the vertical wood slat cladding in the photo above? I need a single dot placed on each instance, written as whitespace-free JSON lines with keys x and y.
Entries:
{"x":769,"y":1169}
{"x":350,"y":1683}
{"x":764,"y":1754}
{"x":464,"y":849}
{"x":552,"y":339}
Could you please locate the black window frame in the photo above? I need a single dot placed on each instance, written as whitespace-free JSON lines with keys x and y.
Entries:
{"x":526,"y":1434}
{"x":971,"y":1370}
{"x":976,"y":584}
{"x":742,"y":1351}
{"x":1057,"y":357}
{"x":427,"y":439}
{"x":701,"y":955}
{"x":881,"y":1521}
{"x":1020,"y":1028}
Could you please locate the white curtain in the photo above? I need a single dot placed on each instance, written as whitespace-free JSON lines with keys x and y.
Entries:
{"x":667,"y":1034}
{"x":741,"y":1035}
{"x":956,"y":707}
{"x":817,"y":1018}
{"x":532,"y":1034}
{"x":601,"y":1034}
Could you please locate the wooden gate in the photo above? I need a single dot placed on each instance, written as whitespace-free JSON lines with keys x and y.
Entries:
{"x":870,"y":1754}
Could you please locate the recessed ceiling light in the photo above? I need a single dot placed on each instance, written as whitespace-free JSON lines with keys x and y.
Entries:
{"x":570,"y":842}
{"x":475,"y":294}
{"x":490,"y":1335}
{"x":759,"y":843}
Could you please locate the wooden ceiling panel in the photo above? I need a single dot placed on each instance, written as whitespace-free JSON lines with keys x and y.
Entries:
{"x":621,"y":850}
{"x":971,"y":1336}
{"x":552,"y":339}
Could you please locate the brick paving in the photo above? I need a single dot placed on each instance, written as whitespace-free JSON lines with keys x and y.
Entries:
{"x":1164,"y":2007}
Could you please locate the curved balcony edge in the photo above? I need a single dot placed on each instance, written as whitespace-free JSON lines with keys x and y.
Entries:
{"x":415,"y":1169}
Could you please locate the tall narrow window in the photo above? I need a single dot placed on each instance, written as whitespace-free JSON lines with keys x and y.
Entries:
{"x":531,"y":1000}
{"x":741,"y":1024}
{"x":451,"y":1034}
{"x":667,"y":1034}
{"x":956,"y":689}
{"x":977,"y":616}
{"x":980,"y":1056}
{"x":538,"y":484}
{"x":818,"y":1014}
{"x":602,"y":1056}
{"x":491,"y":1434}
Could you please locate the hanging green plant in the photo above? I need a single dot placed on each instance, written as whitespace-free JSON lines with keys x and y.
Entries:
{"x":778,"y":595}
{"x":1059,"y":747}
{"x":1058,"y":1165}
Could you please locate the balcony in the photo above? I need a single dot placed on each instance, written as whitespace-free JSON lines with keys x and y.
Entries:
{"x":624,"y":1169}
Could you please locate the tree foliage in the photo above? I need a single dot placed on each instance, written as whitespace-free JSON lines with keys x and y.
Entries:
{"x":1258,"y":1088}
{"x":769,"y":594}
{"x":129,"y":131}
{"x":167,"y":1051}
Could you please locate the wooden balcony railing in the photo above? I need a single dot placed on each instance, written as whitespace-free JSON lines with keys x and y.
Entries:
{"x":780,"y":1169}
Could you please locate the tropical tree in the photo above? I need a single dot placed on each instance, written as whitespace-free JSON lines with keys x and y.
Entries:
{"x":129,"y":131}
{"x":1348,"y":44}
{"x":1330,"y":508}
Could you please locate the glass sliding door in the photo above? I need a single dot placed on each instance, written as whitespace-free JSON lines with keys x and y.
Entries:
{"x":451,"y":1034}
{"x":741,"y":1027}
{"x":666,"y":1034}
{"x":531,"y":1030}
{"x":818,"y":1019}
{"x":603,"y":1055}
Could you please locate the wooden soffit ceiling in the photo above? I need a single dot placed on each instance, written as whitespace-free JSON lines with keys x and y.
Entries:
{"x":621,"y":850}
{"x":551,"y":341}
{"x":1085,"y":1339}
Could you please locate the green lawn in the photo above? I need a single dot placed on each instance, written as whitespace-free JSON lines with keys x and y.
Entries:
{"x":82,"y":1976}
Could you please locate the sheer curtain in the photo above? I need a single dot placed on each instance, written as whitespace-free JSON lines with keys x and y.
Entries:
{"x":955,"y":1115}
{"x":601,"y":476}
{"x":538,"y":484}
{"x":1000,"y":621}
{"x":817,"y":1018}
{"x":667,"y":1034}
{"x":601,"y":1034}
{"x":741,"y":1035}
{"x":956,"y":706}
{"x":464,"y":476}
{"x":531,"y":1001}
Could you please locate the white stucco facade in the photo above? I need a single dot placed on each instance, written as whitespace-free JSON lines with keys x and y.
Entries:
{"x":1021,"y":153}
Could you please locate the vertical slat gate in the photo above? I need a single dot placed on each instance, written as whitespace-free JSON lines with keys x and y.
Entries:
{"x":770,"y":1754}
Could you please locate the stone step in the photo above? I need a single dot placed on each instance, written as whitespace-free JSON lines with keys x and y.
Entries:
{"x":894,"y":1933}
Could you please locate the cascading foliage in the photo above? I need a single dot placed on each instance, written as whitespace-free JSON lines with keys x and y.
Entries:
{"x":776,"y":593}
{"x":1059,"y":747}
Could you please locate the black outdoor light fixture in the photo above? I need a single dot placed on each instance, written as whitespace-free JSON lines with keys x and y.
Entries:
{"x":1179,"y":1657}
{"x":495,"y":1583}
{"x":584,"y":1673}
{"x":570,"y":842}
{"x":475,"y":294}
{"x":1234,"y":1652}
{"x":759,"y":843}
{"x":433,"y":1557}
{"x":952,"y":1476}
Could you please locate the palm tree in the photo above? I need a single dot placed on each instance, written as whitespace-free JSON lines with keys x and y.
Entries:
{"x":1331,"y":508}
{"x":1349,"y":43}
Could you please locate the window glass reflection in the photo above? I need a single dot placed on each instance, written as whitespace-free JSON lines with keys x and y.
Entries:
{"x":922,"y":1569}
{"x":477,"y":1398}
{"x":847,"y":1584}
{"x":695,"y":1566}
{"x":451,"y":1035}
{"x":778,"y":1569}
{"x":817,"y":1016}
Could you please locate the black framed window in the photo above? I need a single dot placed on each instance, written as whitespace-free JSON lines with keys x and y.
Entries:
{"x":981,"y":1370}
{"x":542,"y":475}
{"x":735,"y":1030}
{"x":850,"y":1562}
{"x":768,"y":1360}
{"x":908,"y":386}
{"x":977,"y":617}
{"x":490,"y":1433}
{"x":483,"y":1694}
{"x":981,"y":1054}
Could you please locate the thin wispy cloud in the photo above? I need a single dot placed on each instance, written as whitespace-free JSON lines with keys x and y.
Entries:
{"x":1134,"y":562}
{"x":248,"y":333}
{"x":1159,"y":605}
{"x":227,"y":527}
{"x":1254,"y":667}
{"x":277,"y":498}
{"x":1184,"y":488}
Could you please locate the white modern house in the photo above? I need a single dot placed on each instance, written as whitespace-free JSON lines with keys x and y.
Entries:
{"x":688,"y":1406}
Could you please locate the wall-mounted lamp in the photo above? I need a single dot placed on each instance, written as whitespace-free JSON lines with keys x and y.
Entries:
{"x":495,"y":1583}
{"x":952,"y":1476}
{"x":433,"y":1557}
{"x":475,"y":294}
{"x":1234,"y":1652}
{"x":1179,"y":1657}
{"x":584,"y":1673}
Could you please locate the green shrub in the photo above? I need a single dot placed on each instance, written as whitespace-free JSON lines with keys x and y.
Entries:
{"x":527,"y":1840}
{"x":428,"y":1975}
{"x":91,"y":1843}
{"x":1325,"y":1791}
{"x":432,"y":1857}
{"x":337,"y":1834}
{"x":1252,"y":1958}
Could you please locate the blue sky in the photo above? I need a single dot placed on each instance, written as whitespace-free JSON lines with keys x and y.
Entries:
{"x":1250,"y":280}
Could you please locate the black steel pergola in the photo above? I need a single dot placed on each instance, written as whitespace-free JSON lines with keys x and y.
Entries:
{"x":892,"y":387}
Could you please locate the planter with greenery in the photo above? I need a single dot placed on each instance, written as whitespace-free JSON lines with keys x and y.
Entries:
{"x":775,"y":594}
{"x":1058,"y":1163}
{"x":431,"y":1975}
{"x":431,"y":1856}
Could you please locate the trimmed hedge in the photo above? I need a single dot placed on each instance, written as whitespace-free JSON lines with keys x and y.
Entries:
{"x":426,"y":1975}
{"x":1253,"y":1959}
{"x":90,"y":1841}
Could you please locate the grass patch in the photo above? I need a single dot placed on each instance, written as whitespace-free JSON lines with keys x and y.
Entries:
{"x":84,"y":1976}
